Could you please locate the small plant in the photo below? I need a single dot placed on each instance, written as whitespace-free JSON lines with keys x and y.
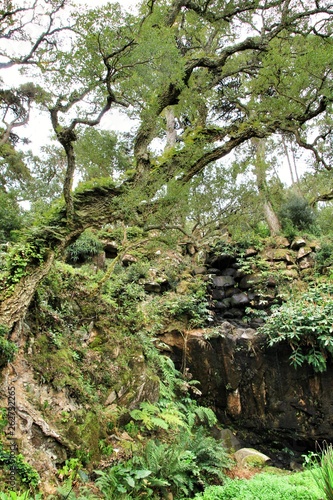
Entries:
{"x":105,"y":448}
{"x":7,"y":348}
{"x":27,"y":474}
{"x":118,"y":482}
{"x":84,"y":247}
{"x":321,"y":466}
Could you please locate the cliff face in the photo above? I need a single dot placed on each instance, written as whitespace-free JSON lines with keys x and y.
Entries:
{"x":254,"y":389}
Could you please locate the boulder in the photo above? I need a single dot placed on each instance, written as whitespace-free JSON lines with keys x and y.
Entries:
{"x":199,"y":270}
{"x":281,"y":242}
{"x":228,"y":439}
{"x":218,"y":294}
{"x":250,"y":456}
{"x":249,"y":281}
{"x":152,"y":287}
{"x":298,"y":243}
{"x":223,"y":281}
{"x":303,"y":252}
{"x":128,"y":259}
{"x":239,"y":299}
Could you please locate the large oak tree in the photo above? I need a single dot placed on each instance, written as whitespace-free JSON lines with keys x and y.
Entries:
{"x":211,"y":74}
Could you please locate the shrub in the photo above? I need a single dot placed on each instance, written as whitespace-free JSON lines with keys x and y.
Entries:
{"x":297,"y":212}
{"x":306,"y":324}
{"x":84,"y":247}
{"x":7,"y":348}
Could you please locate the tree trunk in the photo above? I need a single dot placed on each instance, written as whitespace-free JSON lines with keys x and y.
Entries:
{"x":260,"y":172}
{"x":170,"y":129}
{"x":13,"y":309}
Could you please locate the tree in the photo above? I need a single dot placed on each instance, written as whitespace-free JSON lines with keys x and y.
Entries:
{"x":187,"y":56}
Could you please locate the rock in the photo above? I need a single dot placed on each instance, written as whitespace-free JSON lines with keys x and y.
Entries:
{"x":250,"y":252}
{"x":128,"y":259}
{"x":199,"y":270}
{"x":250,"y":456}
{"x":298,"y":243}
{"x":229,"y":292}
{"x":291,"y":273}
{"x":191,"y":249}
{"x":221,"y":306}
{"x":152,"y":287}
{"x":111,"y":398}
{"x":281,"y":242}
{"x":218,"y":294}
{"x":278,"y":254}
{"x":223,"y":281}
{"x":240,"y":299}
{"x":229,"y":272}
{"x":249,"y":281}
{"x":228,"y":439}
{"x":303,"y":252}
{"x":306,"y":262}
{"x":213,"y":270}
{"x":315,"y":246}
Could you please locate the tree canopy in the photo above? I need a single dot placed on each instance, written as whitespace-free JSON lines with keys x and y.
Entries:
{"x":200,"y":79}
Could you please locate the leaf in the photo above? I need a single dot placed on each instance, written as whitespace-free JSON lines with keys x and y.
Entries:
{"x":130,"y":481}
{"x":141,"y":474}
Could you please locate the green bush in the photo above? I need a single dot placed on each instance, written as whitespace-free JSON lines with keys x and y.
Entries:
{"x":297,"y":212}
{"x":10,"y":216}
{"x":84,"y":247}
{"x":306,"y":323}
{"x":26,"y":473}
{"x":7,"y":348}
{"x":300,"y":486}
{"x":324,"y":257}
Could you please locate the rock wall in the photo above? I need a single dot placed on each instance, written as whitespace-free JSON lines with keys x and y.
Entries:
{"x":253,"y":388}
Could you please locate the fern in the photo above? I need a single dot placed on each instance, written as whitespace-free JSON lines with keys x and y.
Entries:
{"x":205,"y":416}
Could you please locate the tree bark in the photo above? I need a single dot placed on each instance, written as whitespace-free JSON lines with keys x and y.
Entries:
{"x":260,"y":173}
{"x":13,"y":309}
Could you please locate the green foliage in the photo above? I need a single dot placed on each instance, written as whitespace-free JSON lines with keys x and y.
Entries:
{"x":321,"y":467}
{"x":324,"y":257}
{"x":100,"y":153}
{"x":84,"y":247}
{"x":265,"y":486}
{"x":123,"y":480}
{"x":305,"y":322}
{"x":26,"y":473}
{"x":7,"y":348}
{"x":19,"y":260}
{"x":297,"y":213}
{"x":10,"y":216}
{"x":70,"y":469}
{"x":12,"y":495}
{"x":152,"y":416}
{"x":192,"y":306}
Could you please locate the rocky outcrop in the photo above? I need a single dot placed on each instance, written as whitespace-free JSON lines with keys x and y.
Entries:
{"x":254,"y":389}
{"x":256,"y":278}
